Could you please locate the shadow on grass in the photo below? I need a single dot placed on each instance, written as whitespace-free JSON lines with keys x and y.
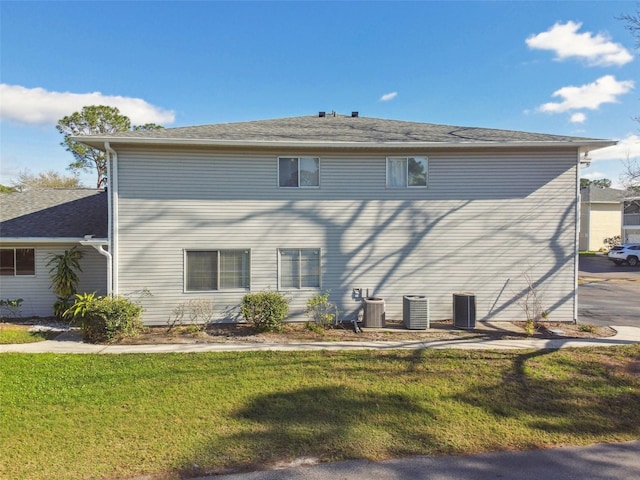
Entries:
{"x":557,"y":397}
{"x":323,"y":423}
{"x":577,"y":395}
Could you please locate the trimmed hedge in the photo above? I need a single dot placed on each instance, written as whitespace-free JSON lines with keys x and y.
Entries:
{"x":265,"y":311}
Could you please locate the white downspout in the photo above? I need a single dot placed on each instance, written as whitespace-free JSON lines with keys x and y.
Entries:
{"x":99,"y":246}
{"x":576,"y":269}
{"x":576,"y":253}
{"x":113,"y":217}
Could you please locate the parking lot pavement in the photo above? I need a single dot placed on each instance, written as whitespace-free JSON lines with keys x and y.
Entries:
{"x":608,"y":294}
{"x":599,"y":267}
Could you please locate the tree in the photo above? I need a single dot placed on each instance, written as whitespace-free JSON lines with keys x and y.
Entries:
{"x":631,"y":175}
{"x":94,"y":120}
{"x":602,"y":183}
{"x":632,"y":23}
{"x":48,"y":179}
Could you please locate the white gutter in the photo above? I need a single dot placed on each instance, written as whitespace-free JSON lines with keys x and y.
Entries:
{"x":113,"y":213}
{"x":99,"y":244}
{"x":30,"y":240}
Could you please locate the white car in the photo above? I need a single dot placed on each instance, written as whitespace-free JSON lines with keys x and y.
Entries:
{"x":629,"y":253}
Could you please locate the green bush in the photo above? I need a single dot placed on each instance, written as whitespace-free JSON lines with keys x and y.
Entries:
{"x":265,"y":311}
{"x":104,"y":319}
{"x":321,"y":311}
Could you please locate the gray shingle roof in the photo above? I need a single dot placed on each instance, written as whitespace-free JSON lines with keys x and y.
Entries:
{"x":340,"y":128}
{"x":593,"y":193}
{"x":54,"y":213}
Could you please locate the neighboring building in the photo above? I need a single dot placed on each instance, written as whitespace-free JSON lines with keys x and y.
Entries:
{"x":599,"y":216}
{"x":346,"y":204}
{"x":39,"y":223}
{"x":631,"y":220}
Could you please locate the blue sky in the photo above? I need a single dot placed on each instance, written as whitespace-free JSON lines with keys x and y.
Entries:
{"x":556,"y":67}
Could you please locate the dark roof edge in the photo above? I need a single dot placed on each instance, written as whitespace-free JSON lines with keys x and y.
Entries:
{"x":99,"y":143}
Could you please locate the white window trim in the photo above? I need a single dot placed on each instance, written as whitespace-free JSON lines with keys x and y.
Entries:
{"x":295,"y":289}
{"x":223,"y":290}
{"x":298,"y":157}
{"x":35,"y":262}
{"x":426,"y":159}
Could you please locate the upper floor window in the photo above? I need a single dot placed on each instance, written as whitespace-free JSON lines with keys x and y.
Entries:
{"x":207,"y":270}
{"x":298,"y":172}
{"x":17,"y":261}
{"x":407,"y":172}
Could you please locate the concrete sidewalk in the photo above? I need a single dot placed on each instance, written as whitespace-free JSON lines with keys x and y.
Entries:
{"x":604,"y":461}
{"x":71,"y":343}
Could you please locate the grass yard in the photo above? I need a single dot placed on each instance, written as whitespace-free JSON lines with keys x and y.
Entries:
{"x":10,"y":334}
{"x":179,"y":415}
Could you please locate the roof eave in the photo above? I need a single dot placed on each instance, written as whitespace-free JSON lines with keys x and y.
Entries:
{"x":98,"y":142}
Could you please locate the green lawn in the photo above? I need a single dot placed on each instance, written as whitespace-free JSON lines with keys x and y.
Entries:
{"x":9,"y":335}
{"x":121,"y":416}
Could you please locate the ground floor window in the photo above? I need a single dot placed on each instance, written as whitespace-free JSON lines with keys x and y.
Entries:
{"x":299,"y":268}
{"x":17,"y":261}
{"x":216,"y":270}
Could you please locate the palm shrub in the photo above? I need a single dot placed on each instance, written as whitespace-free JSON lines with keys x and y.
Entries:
{"x":104,"y":318}
{"x":64,"y":278}
{"x":265,"y":311}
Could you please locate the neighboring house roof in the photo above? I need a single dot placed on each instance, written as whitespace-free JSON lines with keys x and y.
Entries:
{"x":595,"y":194}
{"x":53,"y":213}
{"x":338,"y":130}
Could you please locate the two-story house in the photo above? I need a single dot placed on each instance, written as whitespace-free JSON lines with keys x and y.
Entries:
{"x":347,"y":204}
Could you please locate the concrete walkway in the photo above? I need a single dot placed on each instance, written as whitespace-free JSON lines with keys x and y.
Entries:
{"x":604,"y":461}
{"x":71,"y":343}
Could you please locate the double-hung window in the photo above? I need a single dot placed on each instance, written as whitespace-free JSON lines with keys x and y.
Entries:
{"x":407,"y":172}
{"x":303,"y":172}
{"x":207,"y":270}
{"x":17,"y":261}
{"x":299,"y":268}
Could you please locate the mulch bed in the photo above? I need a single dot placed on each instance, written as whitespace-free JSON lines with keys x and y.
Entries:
{"x":299,"y":332}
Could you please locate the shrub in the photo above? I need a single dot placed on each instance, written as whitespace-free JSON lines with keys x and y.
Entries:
{"x":588,"y":328}
{"x":64,"y":278}
{"x":104,"y":319}
{"x":265,"y":311}
{"x":612,"y":242}
{"x":10,"y":308}
{"x":197,"y":314}
{"x":321,"y":311}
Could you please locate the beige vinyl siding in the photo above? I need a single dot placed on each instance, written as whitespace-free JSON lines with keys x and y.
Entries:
{"x":38,"y":297}
{"x":485,"y":218}
{"x":605,"y":222}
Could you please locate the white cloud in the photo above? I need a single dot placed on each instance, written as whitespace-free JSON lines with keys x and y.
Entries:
{"x":566,"y":42}
{"x":578,"y":118}
{"x":593,"y":175}
{"x":388,"y":96}
{"x":627,"y":148}
{"x":37,"y":106}
{"x":604,"y":90}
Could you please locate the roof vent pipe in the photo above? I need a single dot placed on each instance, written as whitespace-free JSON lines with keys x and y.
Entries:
{"x":354,"y":114}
